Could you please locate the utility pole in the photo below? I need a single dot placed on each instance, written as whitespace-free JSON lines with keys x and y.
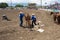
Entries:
{"x":11,"y":3}
{"x":41,"y":3}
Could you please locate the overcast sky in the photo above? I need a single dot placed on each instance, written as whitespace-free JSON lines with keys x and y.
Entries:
{"x":44,"y":2}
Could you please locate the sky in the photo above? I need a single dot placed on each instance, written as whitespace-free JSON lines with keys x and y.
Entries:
{"x":44,"y":2}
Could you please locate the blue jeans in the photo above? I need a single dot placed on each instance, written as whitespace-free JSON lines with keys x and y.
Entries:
{"x":21,"y":22}
{"x":33,"y":22}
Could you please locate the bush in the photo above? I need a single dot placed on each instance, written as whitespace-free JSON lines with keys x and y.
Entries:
{"x":18,"y":5}
{"x":3,"y":5}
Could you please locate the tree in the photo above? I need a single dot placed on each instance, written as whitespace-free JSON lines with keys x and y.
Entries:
{"x":32,"y":6}
{"x":18,"y":5}
{"x":3,"y":5}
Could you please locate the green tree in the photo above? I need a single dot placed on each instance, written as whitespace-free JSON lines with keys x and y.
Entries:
{"x":3,"y":5}
{"x":18,"y":5}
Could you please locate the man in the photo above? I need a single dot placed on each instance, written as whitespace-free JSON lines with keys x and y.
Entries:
{"x":33,"y":20}
{"x":21,"y":15}
{"x":4,"y":17}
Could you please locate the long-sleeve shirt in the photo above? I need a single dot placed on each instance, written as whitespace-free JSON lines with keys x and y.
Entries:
{"x":33,"y":18}
{"x":21,"y":16}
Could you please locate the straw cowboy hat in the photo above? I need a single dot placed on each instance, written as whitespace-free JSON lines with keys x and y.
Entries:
{"x":21,"y":12}
{"x":33,"y":14}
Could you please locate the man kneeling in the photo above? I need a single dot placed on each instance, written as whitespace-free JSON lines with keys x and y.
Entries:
{"x":4,"y":17}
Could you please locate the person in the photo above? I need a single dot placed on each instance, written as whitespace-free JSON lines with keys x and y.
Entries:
{"x":28,"y":18}
{"x":4,"y":17}
{"x":21,"y":15}
{"x":33,"y":20}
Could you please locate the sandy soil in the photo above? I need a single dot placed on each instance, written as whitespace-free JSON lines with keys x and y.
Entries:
{"x":10,"y":30}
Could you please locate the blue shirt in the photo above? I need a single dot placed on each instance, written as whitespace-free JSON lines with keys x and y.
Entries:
{"x":33,"y":17}
{"x":21,"y":16}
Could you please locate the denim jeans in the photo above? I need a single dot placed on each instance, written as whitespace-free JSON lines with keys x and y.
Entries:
{"x":21,"y":22}
{"x":33,"y":23}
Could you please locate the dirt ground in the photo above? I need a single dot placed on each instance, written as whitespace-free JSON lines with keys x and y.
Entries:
{"x":10,"y":30}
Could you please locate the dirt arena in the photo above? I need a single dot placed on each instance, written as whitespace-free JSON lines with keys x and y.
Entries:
{"x":10,"y":30}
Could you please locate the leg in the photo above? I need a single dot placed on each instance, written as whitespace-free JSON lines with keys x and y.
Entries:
{"x":21,"y":22}
{"x":32,"y":24}
{"x":29,"y":23}
{"x":35,"y":22}
{"x":26,"y":23}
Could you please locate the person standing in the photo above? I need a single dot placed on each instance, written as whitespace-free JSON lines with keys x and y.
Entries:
{"x":21,"y":15}
{"x":33,"y":20}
